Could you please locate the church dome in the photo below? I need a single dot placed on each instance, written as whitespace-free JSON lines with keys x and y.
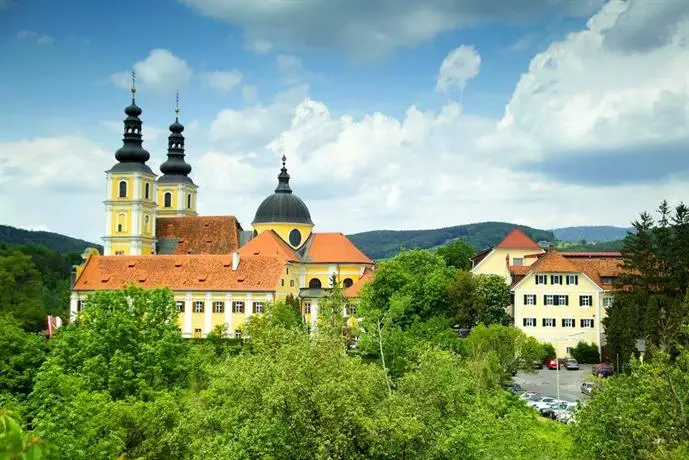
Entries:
{"x":283,"y":205}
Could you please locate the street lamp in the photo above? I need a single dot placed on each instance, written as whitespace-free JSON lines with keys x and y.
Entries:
{"x":557,"y":368}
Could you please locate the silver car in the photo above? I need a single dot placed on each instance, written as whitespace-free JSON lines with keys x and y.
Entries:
{"x":587,"y":387}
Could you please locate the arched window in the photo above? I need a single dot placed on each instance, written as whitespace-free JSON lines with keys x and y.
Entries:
{"x":347,"y":282}
{"x":147,"y":192}
{"x":123,"y":189}
{"x":188,"y":200}
{"x":315,"y":283}
{"x":168,"y":200}
{"x":147,"y":224}
{"x":121,"y":223}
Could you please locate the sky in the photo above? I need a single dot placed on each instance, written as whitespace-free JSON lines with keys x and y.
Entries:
{"x":393,"y":114}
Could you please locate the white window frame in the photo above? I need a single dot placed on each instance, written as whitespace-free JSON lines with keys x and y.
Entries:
{"x":258,"y":307}
{"x":607,"y":302}
{"x":550,"y":300}
{"x":584,"y":303}
{"x":238,"y":306}
{"x":81,"y":303}
{"x":199,"y":306}
{"x":518,"y":262}
{"x":556,"y":277}
{"x":180,"y":306}
{"x":589,"y":321}
{"x":562,"y":300}
{"x":569,"y":322}
{"x":572,"y":279}
{"x":529,"y":322}
{"x":237,"y":334}
{"x":218,"y":306}
{"x":541,"y":279}
{"x":307,"y":308}
{"x":552,"y":322}
{"x":530,"y":299}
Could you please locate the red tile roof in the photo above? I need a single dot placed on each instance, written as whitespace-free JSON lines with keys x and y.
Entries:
{"x":519,"y":269}
{"x":333,"y":248}
{"x":592,"y":254}
{"x":181,"y":273}
{"x":517,"y":239}
{"x":596,"y":268}
{"x":553,"y":262}
{"x":201,"y":234}
{"x":355,"y":289}
{"x":268,"y":243}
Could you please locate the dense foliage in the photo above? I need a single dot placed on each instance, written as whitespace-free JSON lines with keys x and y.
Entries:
{"x":599,"y":233}
{"x":381,"y":244}
{"x":651,"y":306}
{"x":54,"y":241}
{"x":586,"y":353}
{"x":457,"y":254}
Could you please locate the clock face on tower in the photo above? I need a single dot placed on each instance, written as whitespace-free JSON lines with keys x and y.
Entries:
{"x":294,"y":237}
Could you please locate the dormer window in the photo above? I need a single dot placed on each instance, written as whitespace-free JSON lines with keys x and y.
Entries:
{"x":555,"y":279}
{"x":123,"y":189}
{"x":541,"y":279}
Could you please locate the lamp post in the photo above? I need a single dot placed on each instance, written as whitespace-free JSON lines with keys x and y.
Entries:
{"x":557,"y":369}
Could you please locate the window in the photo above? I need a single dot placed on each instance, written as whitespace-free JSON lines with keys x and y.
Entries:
{"x":351,"y":310}
{"x":282,"y":282}
{"x":218,"y":307}
{"x":529,"y":299}
{"x":123,"y":189}
{"x":238,"y":307}
{"x":347,"y":282}
{"x":147,"y":191}
{"x":258,"y":307}
{"x":180,"y":306}
{"x":198,"y":333}
{"x":586,"y":323}
{"x":608,"y":279}
{"x":607,"y":302}
{"x":80,"y":305}
{"x":548,"y":322}
{"x":287,"y":268}
{"x":541,"y":279}
{"x":562,"y":300}
{"x":529,"y":322}
{"x":548,"y":299}
{"x":518,"y":261}
{"x":146,"y":224}
{"x":121,"y":222}
{"x":555,"y":279}
{"x":167,"y":200}
{"x":568,"y":322}
{"x":315,"y":283}
{"x":585,"y":300}
{"x":119,"y":253}
{"x":198,"y":306}
{"x":294,"y":237}
{"x":188,"y":200}
{"x":291,"y":283}
{"x":573,"y":279}
{"x":307,"y":308}
{"x":237,"y":334}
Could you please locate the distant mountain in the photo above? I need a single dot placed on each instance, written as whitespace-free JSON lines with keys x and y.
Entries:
{"x":381,"y":244}
{"x":55,"y":241}
{"x":591,"y":233}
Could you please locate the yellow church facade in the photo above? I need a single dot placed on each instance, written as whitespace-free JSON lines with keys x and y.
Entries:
{"x":219,"y":273}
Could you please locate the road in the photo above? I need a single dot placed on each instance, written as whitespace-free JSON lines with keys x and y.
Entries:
{"x":543,"y":381}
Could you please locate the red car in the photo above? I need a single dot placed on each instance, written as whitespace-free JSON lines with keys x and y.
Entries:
{"x":552,"y":363}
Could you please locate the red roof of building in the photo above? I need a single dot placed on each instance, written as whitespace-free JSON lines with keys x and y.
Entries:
{"x":200,"y":234}
{"x":333,"y":248}
{"x":596,"y":268}
{"x":269,"y":243}
{"x":517,"y":239}
{"x":592,"y":254}
{"x":181,"y":273}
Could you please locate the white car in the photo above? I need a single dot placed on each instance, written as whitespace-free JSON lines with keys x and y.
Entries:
{"x":529,"y":395}
{"x":540,"y":403}
{"x":565,"y":412}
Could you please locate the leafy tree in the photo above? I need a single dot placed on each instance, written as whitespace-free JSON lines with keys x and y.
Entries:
{"x":21,"y":354}
{"x":511,"y":347}
{"x":495,"y":293}
{"x":110,"y":383}
{"x":15,"y":443}
{"x":548,"y":351}
{"x":21,"y":291}
{"x":457,"y":254}
{"x":586,"y":353}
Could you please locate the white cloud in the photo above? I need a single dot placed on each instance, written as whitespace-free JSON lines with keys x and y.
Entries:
{"x":223,"y":81}
{"x":33,"y":36}
{"x":161,"y":71}
{"x":249,"y":94}
{"x":291,"y":69}
{"x":459,"y":66}
{"x":369,"y":29}
{"x":260,"y":46}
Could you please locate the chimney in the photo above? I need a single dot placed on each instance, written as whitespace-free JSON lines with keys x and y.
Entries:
{"x":235,"y":261}
{"x":551,"y":248}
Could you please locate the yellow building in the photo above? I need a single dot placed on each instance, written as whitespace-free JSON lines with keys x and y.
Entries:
{"x":512,"y":251}
{"x":219,"y":273}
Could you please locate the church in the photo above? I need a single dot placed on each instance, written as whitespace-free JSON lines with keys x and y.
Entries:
{"x":219,"y":273}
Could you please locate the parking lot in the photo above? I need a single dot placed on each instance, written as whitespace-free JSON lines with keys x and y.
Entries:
{"x":544,"y":381}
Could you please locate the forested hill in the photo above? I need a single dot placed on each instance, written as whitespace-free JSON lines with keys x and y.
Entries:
{"x":55,"y":241}
{"x":381,"y":244}
{"x":592,"y":233}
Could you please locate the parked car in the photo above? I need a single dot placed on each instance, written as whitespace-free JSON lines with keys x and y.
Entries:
{"x":572,"y":365}
{"x":529,"y":395}
{"x":587,"y":387}
{"x":538,"y":364}
{"x":540,"y":403}
{"x":565,"y":412}
{"x":602,"y":370}
{"x":549,"y":409}
{"x":552,"y":363}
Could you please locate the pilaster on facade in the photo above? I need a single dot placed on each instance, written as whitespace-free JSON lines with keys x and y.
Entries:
{"x":228,"y":315}
{"x":314,"y":314}
{"x":248,"y":308}
{"x":208,"y":315}
{"x":188,"y":332}
{"x":73,"y":306}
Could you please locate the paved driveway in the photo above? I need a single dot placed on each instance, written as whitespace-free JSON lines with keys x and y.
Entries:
{"x":544,"y":381}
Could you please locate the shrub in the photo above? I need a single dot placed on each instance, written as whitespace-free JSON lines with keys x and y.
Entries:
{"x":548,"y":351}
{"x":586,"y":353}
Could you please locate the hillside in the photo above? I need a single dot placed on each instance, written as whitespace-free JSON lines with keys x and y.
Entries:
{"x":381,"y":244}
{"x":591,"y":233}
{"x":55,"y":241}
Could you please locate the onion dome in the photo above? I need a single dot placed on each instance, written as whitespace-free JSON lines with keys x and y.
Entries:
{"x":283,"y":205}
{"x":132,"y":156}
{"x":175,"y":169}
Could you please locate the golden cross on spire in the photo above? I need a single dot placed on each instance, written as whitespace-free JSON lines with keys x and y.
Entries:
{"x":177,"y":105}
{"x":133,"y":82}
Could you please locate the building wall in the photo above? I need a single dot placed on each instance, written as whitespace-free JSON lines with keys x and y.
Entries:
{"x":561,"y":337}
{"x":178,"y":201}
{"x":495,"y":262}
{"x":283,"y":230}
{"x":323,"y":273}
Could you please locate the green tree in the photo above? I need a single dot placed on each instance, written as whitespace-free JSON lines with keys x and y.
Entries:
{"x":21,"y":355}
{"x":457,"y":254}
{"x":495,"y":293}
{"x":586,"y":353}
{"x":21,"y":291}
{"x":16,"y":444}
{"x":511,"y":347}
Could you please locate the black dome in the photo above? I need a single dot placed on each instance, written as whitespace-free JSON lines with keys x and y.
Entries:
{"x":283,"y":205}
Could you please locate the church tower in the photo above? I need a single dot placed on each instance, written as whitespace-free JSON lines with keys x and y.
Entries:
{"x":176,"y":190}
{"x":130,"y":208}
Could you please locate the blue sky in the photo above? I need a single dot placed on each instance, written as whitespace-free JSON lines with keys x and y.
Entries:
{"x":351,"y":93}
